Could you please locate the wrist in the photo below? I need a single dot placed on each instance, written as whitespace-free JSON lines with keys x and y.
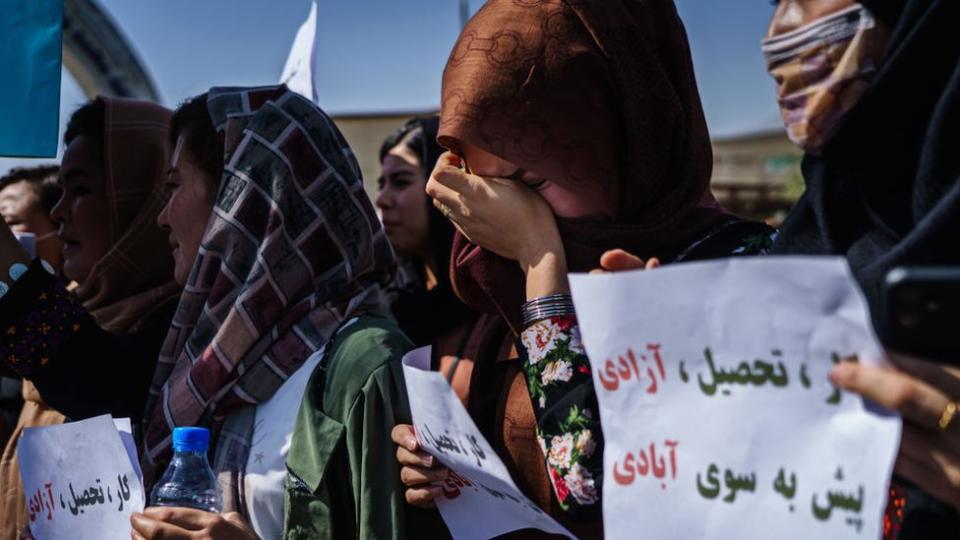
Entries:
{"x":546,"y":274}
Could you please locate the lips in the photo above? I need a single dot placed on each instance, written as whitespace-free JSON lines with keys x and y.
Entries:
{"x":67,"y":244}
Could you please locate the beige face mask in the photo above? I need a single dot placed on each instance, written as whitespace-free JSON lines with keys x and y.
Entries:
{"x":822,"y":70}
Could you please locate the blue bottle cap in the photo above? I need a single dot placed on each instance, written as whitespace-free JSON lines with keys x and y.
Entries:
{"x":191,"y":439}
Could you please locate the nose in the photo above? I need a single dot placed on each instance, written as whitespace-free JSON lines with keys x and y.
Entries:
{"x":384,"y":199}
{"x":163,"y":220}
{"x":59,"y":211}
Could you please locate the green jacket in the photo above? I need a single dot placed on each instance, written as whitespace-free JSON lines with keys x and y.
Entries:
{"x":343,"y":479}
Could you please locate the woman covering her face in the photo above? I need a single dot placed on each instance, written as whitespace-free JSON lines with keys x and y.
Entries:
{"x":878,"y":118}
{"x":112,"y":175}
{"x":580,"y":129}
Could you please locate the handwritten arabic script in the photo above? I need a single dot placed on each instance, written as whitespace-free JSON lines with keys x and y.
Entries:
{"x":717,"y":407}
{"x":80,"y":481}
{"x":480,"y":499}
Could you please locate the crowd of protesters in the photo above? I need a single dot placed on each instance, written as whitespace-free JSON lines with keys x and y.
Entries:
{"x":220,"y":264}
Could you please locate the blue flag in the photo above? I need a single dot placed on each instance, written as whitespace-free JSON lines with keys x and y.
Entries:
{"x":30,"y":58}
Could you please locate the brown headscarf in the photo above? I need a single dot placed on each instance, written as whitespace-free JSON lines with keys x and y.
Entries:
{"x":131,"y":280}
{"x":581,"y":92}
{"x":137,"y":273}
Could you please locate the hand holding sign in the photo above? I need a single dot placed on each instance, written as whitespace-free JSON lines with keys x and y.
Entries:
{"x":479,"y":499}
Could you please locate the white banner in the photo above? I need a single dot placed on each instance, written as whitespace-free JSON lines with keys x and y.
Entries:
{"x":80,"y":480}
{"x":718,"y":415}
{"x":480,"y":499}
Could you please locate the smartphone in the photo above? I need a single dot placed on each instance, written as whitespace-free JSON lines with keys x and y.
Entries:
{"x":921,"y":314}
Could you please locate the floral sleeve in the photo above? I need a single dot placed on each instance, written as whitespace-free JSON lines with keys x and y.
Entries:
{"x":568,"y":423}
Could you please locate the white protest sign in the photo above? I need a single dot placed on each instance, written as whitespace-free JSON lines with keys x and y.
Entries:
{"x":125,"y":430}
{"x":480,"y":499}
{"x":79,"y":481}
{"x":718,"y":415}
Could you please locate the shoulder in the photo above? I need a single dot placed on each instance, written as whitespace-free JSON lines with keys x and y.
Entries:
{"x":372,"y":346}
{"x":737,"y":237}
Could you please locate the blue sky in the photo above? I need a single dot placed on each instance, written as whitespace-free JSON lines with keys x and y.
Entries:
{"x":388,"y":55}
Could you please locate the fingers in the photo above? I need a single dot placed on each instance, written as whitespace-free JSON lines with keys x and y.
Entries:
{"x":413,"y":476}
{"x":940,"y":376}
{"x":234,"y":523}
{"x":424,"y":497}
{"x":448,"y":173}
{"x":185,"y":518}
{"x":443,"y":194}
{"x":652,"y":263}
{"x":448,"y":159}
{"x":915,"y":400}
{"x":417,"y":459}
{"x":618,"y":260}
{"x":404,"y":435}
{"x":152,"y":529}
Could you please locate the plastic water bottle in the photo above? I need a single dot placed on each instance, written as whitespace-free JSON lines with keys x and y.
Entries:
{"x":189,"y":481}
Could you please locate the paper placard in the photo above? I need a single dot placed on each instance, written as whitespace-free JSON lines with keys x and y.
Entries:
{"x":480,"y":499}
{"x":718,"y":415}
{"x":80,"y":480}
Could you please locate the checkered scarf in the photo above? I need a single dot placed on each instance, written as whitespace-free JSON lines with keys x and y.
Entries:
{"x":292,"y":250}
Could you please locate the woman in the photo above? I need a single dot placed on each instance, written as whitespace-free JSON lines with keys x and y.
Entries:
{"x":580,"y":129}
{"x":112,"y":192}
{"x":883,"y":190}
{"x":424,"y":304}
{"x":281,"y":311}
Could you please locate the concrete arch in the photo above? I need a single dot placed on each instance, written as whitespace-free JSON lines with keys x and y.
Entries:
{"x":98,"y":55}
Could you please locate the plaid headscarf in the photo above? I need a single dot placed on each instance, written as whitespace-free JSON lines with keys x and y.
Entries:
{"x":292,"y":250}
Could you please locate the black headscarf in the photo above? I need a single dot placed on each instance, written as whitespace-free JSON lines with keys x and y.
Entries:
{"x":425,"y":315}
{"x":885,"y":191}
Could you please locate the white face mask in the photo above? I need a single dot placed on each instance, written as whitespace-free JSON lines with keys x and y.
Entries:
{"x":28,"y":241}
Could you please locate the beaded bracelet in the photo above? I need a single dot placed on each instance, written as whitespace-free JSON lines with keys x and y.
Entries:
{"x":544,"y":307}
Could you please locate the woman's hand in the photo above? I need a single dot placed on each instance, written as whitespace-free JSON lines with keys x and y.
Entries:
{"x":923,"y":393}
{"x":166,"y":523}
{"x":500,"y":215}
{"x":419,"y":469}
{"x":618,"y":260}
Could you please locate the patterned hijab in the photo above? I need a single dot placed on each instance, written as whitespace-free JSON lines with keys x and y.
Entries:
{"x":292,"y":250}
{"x":137,"y":273}
{"x":583,"y":92}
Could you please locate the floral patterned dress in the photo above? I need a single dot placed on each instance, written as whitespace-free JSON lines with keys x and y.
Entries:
{"x":560,"y":381}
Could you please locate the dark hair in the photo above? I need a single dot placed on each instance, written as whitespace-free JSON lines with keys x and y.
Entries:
{"x":410,"y":135}
{"x":200,"y":138}
{"x":88,"y":121}
{"x":420,"y":136}
{"x":43,"y":180}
